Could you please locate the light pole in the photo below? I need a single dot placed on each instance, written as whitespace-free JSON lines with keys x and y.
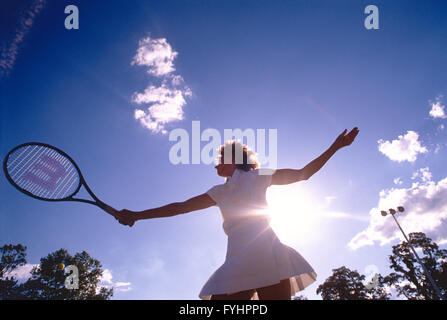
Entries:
{"x":433,"y":283}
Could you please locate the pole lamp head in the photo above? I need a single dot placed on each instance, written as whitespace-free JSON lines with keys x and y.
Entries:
{"x":392,"y":211}
{"x":400,"y":209}
{"x":383,"y":213}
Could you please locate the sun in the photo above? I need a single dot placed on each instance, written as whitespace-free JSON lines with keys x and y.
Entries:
{"x":294,"y":214}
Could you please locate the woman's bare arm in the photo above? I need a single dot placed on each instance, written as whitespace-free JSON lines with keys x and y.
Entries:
{"x":287,"y":176}
{"x":200,"y":202}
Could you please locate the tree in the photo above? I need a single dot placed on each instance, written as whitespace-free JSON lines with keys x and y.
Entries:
{"x":345,"y":284}
{"x":409,"y":278}
{"x":12,"y":256}
{"x":300,"y":297}
{"x":47,"y":280}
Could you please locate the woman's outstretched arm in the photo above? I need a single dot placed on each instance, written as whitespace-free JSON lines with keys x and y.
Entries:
{"x":287,"y":176}
{"x":200,"y":202}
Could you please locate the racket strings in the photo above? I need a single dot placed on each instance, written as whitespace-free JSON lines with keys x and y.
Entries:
{"x":43,"y":172}
{"x":44,"y":179}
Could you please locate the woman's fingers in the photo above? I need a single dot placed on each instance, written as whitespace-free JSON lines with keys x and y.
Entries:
{"x":125,"y":217}
{"x":351,"y":135}
{"x":346,"y":139}
{"x":354,"y":132}
{"x":127,"y":223}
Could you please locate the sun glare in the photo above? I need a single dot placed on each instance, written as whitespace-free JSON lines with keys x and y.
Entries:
{"x":295,"y":214}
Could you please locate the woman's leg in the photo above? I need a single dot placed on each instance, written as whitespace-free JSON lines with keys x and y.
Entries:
{"x":279,"y":291}
{"x":242,"y":295}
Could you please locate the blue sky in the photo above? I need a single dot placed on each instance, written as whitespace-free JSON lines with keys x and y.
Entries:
{"x":309,"y":69}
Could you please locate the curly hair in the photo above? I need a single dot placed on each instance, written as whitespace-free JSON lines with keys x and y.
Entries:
{"x":249,"y":159}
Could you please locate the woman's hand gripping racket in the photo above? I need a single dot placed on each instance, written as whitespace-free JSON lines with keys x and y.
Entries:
{"x":47,"y":173}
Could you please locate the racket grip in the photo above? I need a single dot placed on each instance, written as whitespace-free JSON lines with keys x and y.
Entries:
{"x":108,"y":209}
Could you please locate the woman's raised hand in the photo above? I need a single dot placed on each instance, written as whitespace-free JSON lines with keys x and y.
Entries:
{"x":345,"y":140}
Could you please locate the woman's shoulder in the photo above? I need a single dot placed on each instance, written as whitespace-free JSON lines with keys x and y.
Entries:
{"x":262,"y":172}
{"x":262,"y":177}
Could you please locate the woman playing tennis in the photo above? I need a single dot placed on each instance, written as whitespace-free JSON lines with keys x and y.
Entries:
{"x":257,"y":264}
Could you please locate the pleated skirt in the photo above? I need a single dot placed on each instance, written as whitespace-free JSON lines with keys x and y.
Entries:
{"x":257,"y":258}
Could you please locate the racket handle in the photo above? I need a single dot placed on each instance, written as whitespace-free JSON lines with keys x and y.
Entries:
{"x":108,"y":209}
{"x":112,"y":212}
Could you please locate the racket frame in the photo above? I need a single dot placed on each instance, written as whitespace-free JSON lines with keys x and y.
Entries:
{"x":81,"y":183}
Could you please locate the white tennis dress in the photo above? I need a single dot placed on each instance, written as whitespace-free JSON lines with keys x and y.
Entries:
{"x":255,"y":256}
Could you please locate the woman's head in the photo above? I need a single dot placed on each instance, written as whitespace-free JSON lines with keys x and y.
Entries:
{"x":234,"y":155}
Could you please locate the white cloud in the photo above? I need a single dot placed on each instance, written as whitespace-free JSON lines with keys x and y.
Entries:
{"x":157,"y":55}
{"x":122,"y":284}
{"x":423,"y":173}
{"x":21,"y":273}
{"x":105,"y":281}
{"x":425,"y":204}
{"x":160,"y":95}
{"x":106,"y":276}
{"x":437,"y":110}
{"x":9,"y":52}
{"x":177,"y":80}
{"x":397,"y":181}
{"x":163,"y":104}
{"x":404,"y":148}
{"x":167,"y":106}
{"x":439,"y":146}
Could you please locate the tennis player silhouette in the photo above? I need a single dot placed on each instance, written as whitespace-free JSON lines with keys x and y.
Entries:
{"x":257,"y":265}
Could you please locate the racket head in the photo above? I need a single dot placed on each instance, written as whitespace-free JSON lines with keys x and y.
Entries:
{"x":42,"y":171}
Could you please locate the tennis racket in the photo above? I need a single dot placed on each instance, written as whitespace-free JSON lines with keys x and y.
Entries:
{"x":46,"y":173}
